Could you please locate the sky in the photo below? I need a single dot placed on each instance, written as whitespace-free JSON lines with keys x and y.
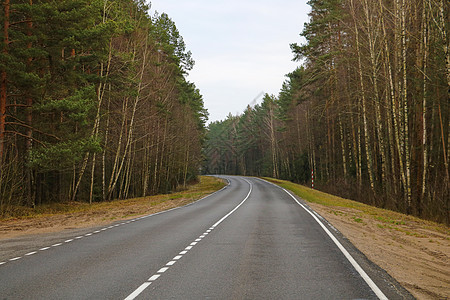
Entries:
{"x":240,"y":47}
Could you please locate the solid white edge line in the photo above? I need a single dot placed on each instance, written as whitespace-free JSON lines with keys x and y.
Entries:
{"x":138,"y":291}
{"x":344,"y":251}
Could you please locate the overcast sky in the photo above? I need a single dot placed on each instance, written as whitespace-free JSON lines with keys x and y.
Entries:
{"x":240,"y":47}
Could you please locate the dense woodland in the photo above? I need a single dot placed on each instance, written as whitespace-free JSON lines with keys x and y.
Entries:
{"x":94,"y":103}
{"x":367,"y":113}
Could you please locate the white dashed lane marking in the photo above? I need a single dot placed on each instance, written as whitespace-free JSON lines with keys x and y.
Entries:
{"x":143,"y":286}
{"x":73,"y":239}
{"x":154,"y":277}
{"x":15,"y":258}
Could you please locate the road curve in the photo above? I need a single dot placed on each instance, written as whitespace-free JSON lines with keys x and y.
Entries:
{"x":251,"y":240}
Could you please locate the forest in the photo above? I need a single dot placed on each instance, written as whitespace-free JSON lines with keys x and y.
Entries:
{"x":94,"y":103}
{"x":365,"y":116}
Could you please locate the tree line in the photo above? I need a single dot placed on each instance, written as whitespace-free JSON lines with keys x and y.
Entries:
{"x":367,"y":112}
{"x":94,"y":103}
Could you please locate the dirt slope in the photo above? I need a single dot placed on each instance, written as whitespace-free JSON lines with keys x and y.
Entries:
{"x":414,"y":253}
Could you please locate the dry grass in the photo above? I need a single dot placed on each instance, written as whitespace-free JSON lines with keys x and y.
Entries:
{"x":56,"y":217}
{"x":206,"y":186}
{"x":337,"y":205}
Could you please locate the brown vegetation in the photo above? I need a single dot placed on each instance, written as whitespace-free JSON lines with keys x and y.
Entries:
{"x":56,"y":217}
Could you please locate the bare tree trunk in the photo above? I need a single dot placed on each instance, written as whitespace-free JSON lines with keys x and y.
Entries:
{"x":186,"y":165}
{"x":91,"y":190}
{"x":95,"y":129}
{"x":443,"y":145}
{"x":6,"y":7}
{"x":310,"y":137}
{"x":442,"y":28}
{"x":29,"y":120}
{"x":424,"y":99}
{"x":133,"y":115}
{"x":344,"y":160}
{"x":155,"y":171}
{"x":128,"y":173}
{"x":80,"y":176}
{"x":271,"y":127}
{"x":105,"y":147}
{"x":396,"y":105}
{"x":405,"y":107}
{"x":119,"y":147}
{"x":390,"y":105}
{"x":163,"y":153}
{"x":445,"y":42}
{"x":372,"y":37}
{"x":354,"y":148}
{"x":364,"y":107}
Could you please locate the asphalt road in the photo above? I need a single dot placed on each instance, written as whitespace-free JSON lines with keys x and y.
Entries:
{"x":251,"y":240}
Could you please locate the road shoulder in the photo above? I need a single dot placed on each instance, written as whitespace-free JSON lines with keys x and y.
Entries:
{"x":413,"y":251}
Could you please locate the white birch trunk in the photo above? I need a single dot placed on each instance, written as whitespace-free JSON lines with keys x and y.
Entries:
{"x":405,"y":107}
{"x":364,"y":107}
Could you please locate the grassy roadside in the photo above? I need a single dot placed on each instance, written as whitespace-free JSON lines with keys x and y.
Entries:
{"x":413,"y":251}
{"x":362,"y":213}
{"x":56,"y":217}
{"x":193,"y":192}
